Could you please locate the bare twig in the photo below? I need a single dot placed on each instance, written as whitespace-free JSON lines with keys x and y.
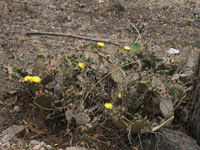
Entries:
{"x":84,"y":98}
{"x":71,"y":36}
{"x":140,"y":141}
{"x":4,"y":84}
{"x":139,"y":35}
{"x":2,"y":134}
{"x":157,"y":27}
{"x":102,"y":55}
{"x":163,"y":124}
{"x":129,"y":137}
{"x":48,"y":109}
{"x":96,"y":139}
{"x":139,"y":22}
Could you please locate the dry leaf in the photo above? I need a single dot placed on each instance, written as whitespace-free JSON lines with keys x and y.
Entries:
{"x":39,"y":66}
{"x":9,"y":68}
{"x":157,"y":82}
{"x":117,"y":74}
{"x":166,"y":107}
{"x":82,"y":118}
{"x":138,"y":125}
{"x":14,"y":130}
{"x":135,"y":147}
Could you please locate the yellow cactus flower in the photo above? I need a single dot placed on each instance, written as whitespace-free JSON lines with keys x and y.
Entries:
{"x":66,"y":56}
{"x":127,"y":48}
{"x":28,"y":78}
{"x":82,"y":143}
{"x":119,"y":95}
{"x":36,"y":79}
{"x":81,"y":65}
{"x":170,"y":60}
{"x":100,"y":44}
{"x":108,"y":105}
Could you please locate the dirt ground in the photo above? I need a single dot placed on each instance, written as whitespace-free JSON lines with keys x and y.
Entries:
{"x":164,"y":24}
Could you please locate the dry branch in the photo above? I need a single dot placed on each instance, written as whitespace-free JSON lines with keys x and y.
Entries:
{"x":139,"y":35}
{"x":71,"y":36}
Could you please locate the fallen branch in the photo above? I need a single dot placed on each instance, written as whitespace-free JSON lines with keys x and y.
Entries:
{"x":139,"y":22}
{"x":139,"y":35}
{"x":71,"y":36}
{"x":165,"y":123}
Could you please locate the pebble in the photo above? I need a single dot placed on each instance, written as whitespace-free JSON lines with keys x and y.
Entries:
{"x":9,"y":138}
{"x":17,"y":109}
{"x":75,"y":148}
{"x":7,"y":144}
{"x":34,"y":142}
{"x":49,"y":147}
{"x":36,"y":145}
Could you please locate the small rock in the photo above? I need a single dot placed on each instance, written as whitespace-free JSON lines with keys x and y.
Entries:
{"x":71,"y":148}
{"x":11,"y":100}
{"x":14,"y":130}
{"x":17,"y":109}
{"x":49,"y":147}
{"x":38,"y":147}
{"x":82,"y":118}
{"x":34,"y":142}
{"x":75,"y":148}
{"x":7,"y":144}
{"x":173,"y":51}
{"x":170,"y":140}
{"x":9,"y":138}
{"x":42,"y":144}
{"x":12,"y":92}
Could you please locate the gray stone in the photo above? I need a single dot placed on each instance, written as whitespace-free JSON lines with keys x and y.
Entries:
{"x":15,"y":129}
{"x":34,"y":142}
{"x":17,"y":109}
{"x":75,"y":148}
{"x":170,"y":140}
{"x":49,"y":147}
{"x":7,"y":144}
{"x":37,"y":147}
{"x":9,"y":138}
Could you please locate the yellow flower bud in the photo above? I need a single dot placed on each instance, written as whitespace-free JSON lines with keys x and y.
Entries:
{"x":119,"y":95}
{"x":36,"y":79}
{"x":81,"y":65}
{"x":100,"y":44}
{"x":108,"y":105}
{"x":127,"y":48}
{"x":27,"y":78}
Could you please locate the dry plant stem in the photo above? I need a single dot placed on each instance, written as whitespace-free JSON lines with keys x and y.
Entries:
{"x":48,"y":109}
{"x":139,"y":35}
{"x":2,"y":134}
{"x":129,"y":137}
{"x":180,"y":102}
{"x":102,"y":55}
{"x":163,"y":124}
{"x":4,"y":85}
{"x":96,"y":139}
{"x":102,"y":80}
{"x":110,"y":130}
{"x":139,"y":22}
{"x":71,"y":36}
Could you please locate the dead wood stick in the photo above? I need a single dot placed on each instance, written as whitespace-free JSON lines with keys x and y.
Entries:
{"x":139,"y":35}
{"x":166,"y":122}
{"x":71,"y":36}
